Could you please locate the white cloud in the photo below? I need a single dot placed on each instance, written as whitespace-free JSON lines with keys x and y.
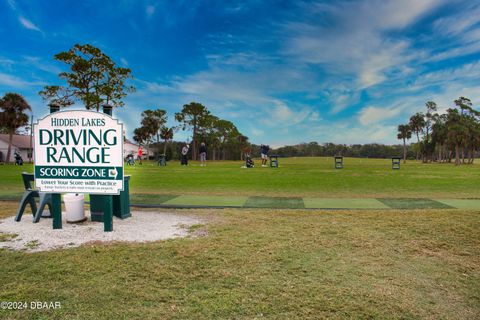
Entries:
{"x":465,"y":74}
{"x":124,"y":62}
{"x":472,"y":36}
{"x":457,"y":51}
{"x":256,"y":132}
{"x":356,"y":41}
{"x":348,"y":132}
{"x":28,"y":24}
{"x":15,"y":82}
{"x":460,"y":22}
{"x":339,"y":56}
{"x":12,"y":4}
{"x":372,"y":134}
{"x":459,"y":31}
{"x":40,"y":64}
{"x":150,"y":11}
{"x":371,"y":115}
{"x":281,"y":115}
{"x":342,"y":98}
{"x":445,"y":97}
{"x":315,"y":116}
{"x":6,"y":62}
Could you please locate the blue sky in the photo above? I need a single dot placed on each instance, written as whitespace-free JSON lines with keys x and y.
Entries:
{"x":283,"y":71}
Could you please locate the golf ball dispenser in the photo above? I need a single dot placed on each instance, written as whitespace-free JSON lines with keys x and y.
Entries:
{"x":82,"y":152}
{"x":338,"y":162}
{"x":396,"y":163}
{"x":273,"y":161}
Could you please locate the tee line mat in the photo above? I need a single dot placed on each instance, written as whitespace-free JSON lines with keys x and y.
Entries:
{"x":186,"y":201}
{"x":205,"y":201}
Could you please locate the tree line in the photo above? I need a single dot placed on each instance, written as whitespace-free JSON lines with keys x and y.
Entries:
{"x":222,"y":137}
{"x":443,"y":137}
{"x":314,"y":149}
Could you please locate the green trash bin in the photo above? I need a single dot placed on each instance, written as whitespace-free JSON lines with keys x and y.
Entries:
{"x":97,"y":205}
{"x":121,"y":203}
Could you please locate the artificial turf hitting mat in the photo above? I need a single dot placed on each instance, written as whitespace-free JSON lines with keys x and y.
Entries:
{"x":274,"y":202}
{"x":402,"y":203}
{"x":206,"y":201}
{"x":186,"y":201}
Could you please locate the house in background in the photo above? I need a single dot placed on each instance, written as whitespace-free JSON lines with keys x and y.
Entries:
{"x":132,"y":148}
{"x":20,"y":143}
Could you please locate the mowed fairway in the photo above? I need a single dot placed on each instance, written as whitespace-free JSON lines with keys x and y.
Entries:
{"x":296,"y":177}
{"x":272,"y":264}
{"x":302,"y":177}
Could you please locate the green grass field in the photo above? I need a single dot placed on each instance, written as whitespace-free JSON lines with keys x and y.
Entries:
{"x":273,"y":264}
{"x":389,"y":260}
{"x":296,"y":177}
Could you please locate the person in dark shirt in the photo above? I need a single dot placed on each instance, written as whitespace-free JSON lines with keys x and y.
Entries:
{"x":185,"y":149}
{"x":264,"y":154}
{"x":203,"y":154}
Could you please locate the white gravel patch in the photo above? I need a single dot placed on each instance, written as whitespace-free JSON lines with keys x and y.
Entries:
{"x":143,"y":226}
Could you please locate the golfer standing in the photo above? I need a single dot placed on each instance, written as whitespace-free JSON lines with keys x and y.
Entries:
{"x":264,"y":154}
{"x":203,"y":154}
{"x":139,"y":154}
{"x":185,"y":149}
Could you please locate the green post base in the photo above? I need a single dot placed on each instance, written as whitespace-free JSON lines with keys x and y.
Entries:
{"x":97,"y":206}
{"x":108,"y":214}
{"x":57,"y":210}
{"x":121,"y":202}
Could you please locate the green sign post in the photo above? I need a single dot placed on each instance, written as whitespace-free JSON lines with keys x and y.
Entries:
{"x":79,"y":152}
{"x":56,"y":197}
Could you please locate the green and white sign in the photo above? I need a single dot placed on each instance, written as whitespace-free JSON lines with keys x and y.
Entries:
{"x":79,"y":151}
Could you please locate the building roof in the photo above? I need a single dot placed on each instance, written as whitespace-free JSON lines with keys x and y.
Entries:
{"x":129,"y":142}
{"x":145,"y":148}
{"x":19,"y":141}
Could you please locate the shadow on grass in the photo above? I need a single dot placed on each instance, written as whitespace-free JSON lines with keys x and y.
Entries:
{"x":150,"y":198}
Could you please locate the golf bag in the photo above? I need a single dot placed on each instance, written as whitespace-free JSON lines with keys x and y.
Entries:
{"x":18,"y":159}
{"x":130,"y":160}
{"x":248,"y":161}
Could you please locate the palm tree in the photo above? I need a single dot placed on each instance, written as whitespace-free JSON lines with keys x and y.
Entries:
{"x":166,"y":134}
{"x":439,"y":136}
{"x":417,"y":123}
{"x":404,"y":133}
{"x":464,"y":104}
{"x":142,"y":136}
{"x":13,"y":116}
{"x":457,"y":132}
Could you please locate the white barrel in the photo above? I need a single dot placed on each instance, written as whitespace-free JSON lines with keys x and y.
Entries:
{"x":74,"y":207}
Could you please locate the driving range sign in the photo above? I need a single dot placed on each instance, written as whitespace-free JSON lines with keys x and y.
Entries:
{"x":80,"y":152}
